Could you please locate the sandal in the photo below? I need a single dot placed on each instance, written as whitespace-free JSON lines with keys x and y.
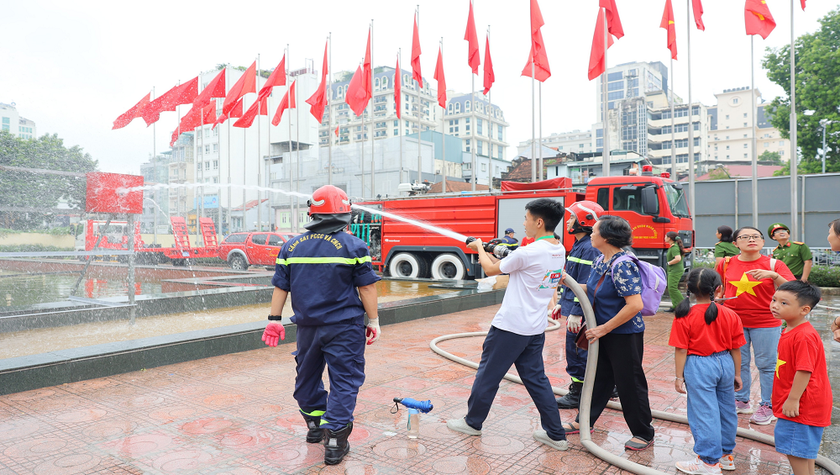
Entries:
{"x":633,"y":445}
{"x":571,"y":429}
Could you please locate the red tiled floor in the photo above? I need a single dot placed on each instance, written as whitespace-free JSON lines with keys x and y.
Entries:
{"x":235,"y":414}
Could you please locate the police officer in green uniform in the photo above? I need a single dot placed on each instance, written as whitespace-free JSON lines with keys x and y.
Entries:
{"x":796,"y":255}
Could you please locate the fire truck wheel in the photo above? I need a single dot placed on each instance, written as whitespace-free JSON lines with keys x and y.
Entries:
{"x":238,"y":262}
{"x":405,"y":265}
{"x":447,"y":266}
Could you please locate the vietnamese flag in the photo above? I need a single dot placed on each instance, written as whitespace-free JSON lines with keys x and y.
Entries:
{"x":473,"y":54}
{"x":596,"y":55}
{"x":356,"y":96}
{"x":613,"y":20}
{"x":415,"y":55}
{"x":336,"y":130}
{"x":537,"y":57}
{"x":367,"y":70}
{"x":441,"y":80}
{"x":214,"y":89}
{"x":188,"y":122}
{"x":178,"y":95}
{"x":758,"y":19}
{"x":234,"y":113}
{"x":318,"y":100}
{"x":246,"y":83}
{"x":668,"y":24}
{"x":131,"y":114}
{"x":398,"y":90}
{"x":697,"y":6}
{"x":208,"y":113}
{"x":277,"y":78}
{"x":288,"y":102}
{"x":259,"y":106}
{"x":489,"y":77}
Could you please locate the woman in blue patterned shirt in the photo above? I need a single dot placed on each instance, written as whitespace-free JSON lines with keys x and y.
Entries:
{"x":614,"y":289}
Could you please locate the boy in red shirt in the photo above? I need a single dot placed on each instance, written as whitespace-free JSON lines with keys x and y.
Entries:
{"x":801,"y":391}
{"x":707,"y":340}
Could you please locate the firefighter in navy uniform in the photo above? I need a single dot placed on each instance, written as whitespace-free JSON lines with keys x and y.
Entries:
{"x":508,"y":240}
{"x":583,"y":215}
{"x":329,"y":274}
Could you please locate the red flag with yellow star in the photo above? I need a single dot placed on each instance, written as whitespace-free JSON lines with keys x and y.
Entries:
{"x":751,"y":296}
{"x":758,"y":19}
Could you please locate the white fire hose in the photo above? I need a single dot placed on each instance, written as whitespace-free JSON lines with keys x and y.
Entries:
{"x":586,"y":395}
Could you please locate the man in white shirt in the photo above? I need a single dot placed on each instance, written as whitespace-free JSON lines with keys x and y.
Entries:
{"x":517,"y":333}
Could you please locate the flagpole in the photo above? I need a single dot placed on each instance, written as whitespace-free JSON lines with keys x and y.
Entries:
{"x":372,"y":119}
{"x":673,"y":126}
{"x":329,"y":117}
{"x":259,"y":165}
{"x":539,"y":148}
{"x":472,"y":133}
{"x":490,"y":130}
{"x":398,"y":77}
{"x":154,"y":166}
{"x":291,"y":213}
{"x":362,"y":155}
{"x":443,"y":133}
{"x":418,"y":106}
{"x":297,"y":161}
{"x":605,"y":168}
{"x":691,"y":164}
{"x":229,"y":181}
{"x":794,"y":182}
{"x":754,"y":156}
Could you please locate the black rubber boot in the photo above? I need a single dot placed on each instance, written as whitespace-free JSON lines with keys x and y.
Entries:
{"x":614,"y":394}
{"x":315,"y":433}
{"x":572,"y":399}
{"x":336,"y":444}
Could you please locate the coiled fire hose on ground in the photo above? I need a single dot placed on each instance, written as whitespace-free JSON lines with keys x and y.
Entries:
{"x":586,"y":395}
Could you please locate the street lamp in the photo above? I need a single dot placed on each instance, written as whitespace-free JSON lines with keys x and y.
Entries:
{"x":824,"y":123}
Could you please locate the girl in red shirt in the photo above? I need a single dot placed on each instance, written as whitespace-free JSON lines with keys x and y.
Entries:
{"x":707,"y":338}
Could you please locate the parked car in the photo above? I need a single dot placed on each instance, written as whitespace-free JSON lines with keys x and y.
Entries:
{"x":242,"y":250}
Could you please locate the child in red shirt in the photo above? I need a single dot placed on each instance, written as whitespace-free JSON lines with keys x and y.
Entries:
{"x":707,"y":340}
{"x":801,"y":391}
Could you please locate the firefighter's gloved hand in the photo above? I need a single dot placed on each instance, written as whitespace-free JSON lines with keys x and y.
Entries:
{"x":274,"y":332}
{"x":372,"y":332}
{"x":555,"y":314}
{"x":573,"y":323}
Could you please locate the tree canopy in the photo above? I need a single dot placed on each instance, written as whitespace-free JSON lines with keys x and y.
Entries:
{"x":817,"y":89}
{"x":26,"y":189}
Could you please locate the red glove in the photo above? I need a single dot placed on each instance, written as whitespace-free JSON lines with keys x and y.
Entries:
{"x":372,"y":332}
{"x":555,"y":314}
{"x":274,"y":332}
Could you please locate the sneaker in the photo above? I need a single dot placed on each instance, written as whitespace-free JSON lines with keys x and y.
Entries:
{"x":460,"y":425}
{"x":727,"y":462}
{"x":743,"y":407}
{"x":763,"y":416}
{"x":542,"y":436}
{"x":698,"y":467}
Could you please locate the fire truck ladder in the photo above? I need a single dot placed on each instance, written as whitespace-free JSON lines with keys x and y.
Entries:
{"x":179,"y":229}
{"x":208,"y":232}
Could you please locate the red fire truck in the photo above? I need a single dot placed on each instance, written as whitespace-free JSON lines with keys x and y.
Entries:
{"x":115,"y":236}
{"x":653,"y":206}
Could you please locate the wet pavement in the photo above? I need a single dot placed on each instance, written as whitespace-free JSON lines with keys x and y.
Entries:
{"x":235,"y":414}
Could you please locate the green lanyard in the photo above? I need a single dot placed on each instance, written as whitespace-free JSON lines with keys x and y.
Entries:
{"x":550,"y":236}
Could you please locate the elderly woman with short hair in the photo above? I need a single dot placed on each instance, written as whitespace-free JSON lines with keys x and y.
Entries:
{"x":615,"y":289}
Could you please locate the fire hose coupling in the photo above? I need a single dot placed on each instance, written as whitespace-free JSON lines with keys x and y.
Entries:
{"x":493,"y":247}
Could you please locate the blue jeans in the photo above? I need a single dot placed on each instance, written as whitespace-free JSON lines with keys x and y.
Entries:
{"x":710,"y":383}
{"x":765,"y":342}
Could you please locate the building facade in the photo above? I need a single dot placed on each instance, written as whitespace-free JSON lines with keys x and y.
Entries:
{"x":483,"y":128}
{"x":731,"y":129}
{"x":13,"y":123}
{"x":576,"y":141}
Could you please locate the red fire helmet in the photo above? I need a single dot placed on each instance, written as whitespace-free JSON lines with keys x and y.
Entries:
{"x":329,"y":200}
{"x":586,"y":212}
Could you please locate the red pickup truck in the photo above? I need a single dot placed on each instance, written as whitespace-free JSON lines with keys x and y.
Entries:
{"x":242,"y":250}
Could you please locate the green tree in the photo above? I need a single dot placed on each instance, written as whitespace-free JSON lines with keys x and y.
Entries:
{"x":27,"y":189}
{"x":773,"y":157}
{"x":719,"y":173}
{"x":817,"y":88}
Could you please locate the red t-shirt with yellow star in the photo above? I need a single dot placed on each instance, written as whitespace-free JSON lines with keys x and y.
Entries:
{"x":801,"y":349}
{"x":754,"y":296}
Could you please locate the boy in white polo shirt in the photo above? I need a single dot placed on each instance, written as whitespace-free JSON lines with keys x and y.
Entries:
{"x":517,"y":333}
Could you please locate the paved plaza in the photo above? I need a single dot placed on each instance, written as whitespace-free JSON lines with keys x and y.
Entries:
{"x":235,"y":414}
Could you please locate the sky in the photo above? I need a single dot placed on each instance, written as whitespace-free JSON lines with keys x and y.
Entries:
{"x":74,"y":67}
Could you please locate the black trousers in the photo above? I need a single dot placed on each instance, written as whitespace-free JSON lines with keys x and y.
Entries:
{"x":501,"y":350}
{"x":620,"y":366}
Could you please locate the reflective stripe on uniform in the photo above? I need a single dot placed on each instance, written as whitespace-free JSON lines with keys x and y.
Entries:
{"x":313,"y":413}
{"x":579,"y":260}
{"x":323,"y":260}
